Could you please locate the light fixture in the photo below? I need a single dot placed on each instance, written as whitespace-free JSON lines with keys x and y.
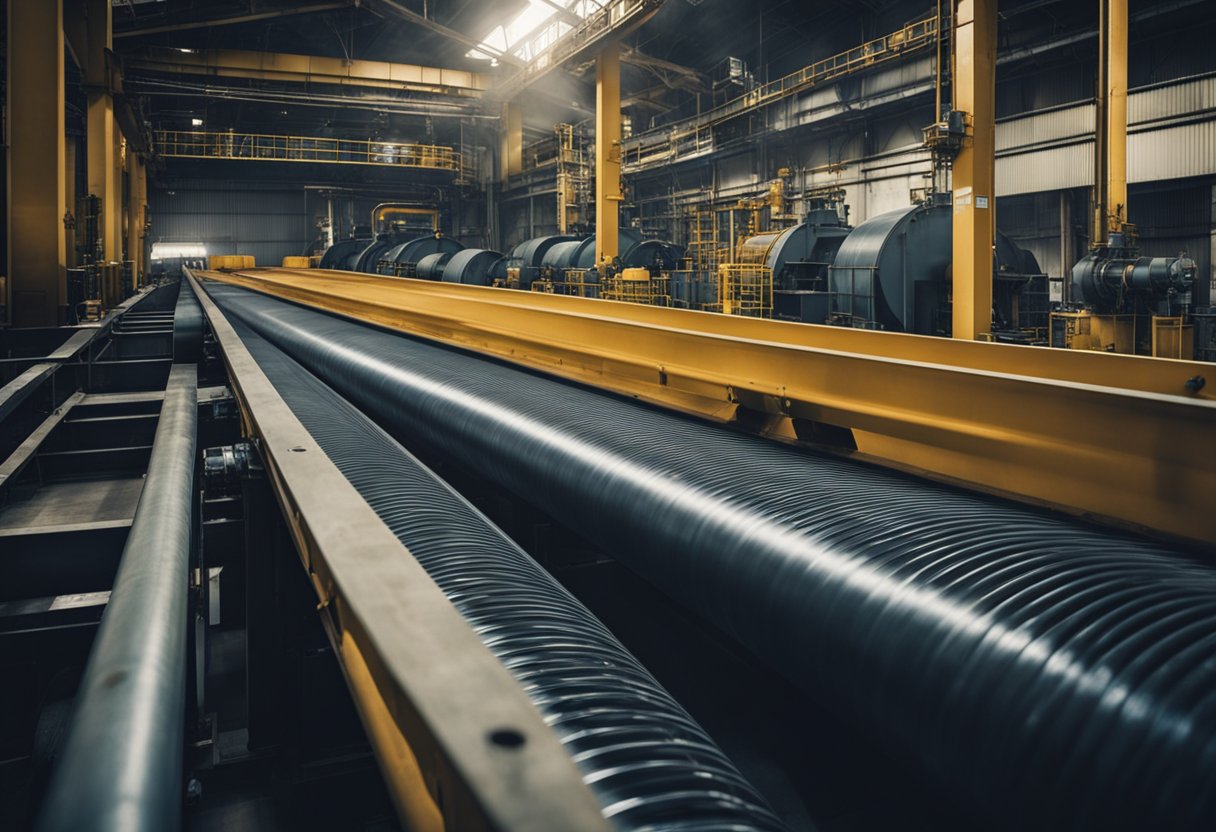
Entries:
{"x":196,"y":122}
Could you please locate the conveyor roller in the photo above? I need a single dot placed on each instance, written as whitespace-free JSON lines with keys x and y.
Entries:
{"x":646,"y":760}
{"x":1048,"y":673}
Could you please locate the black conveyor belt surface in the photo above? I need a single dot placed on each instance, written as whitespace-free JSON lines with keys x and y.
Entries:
{"x":646,"y":760}
{"x":1047,"y":673}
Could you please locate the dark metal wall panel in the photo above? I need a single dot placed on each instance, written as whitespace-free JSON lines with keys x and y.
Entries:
{"x":232,"y":218}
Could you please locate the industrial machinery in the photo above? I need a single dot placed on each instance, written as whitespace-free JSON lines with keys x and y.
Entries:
{"x":404,"y":258}
{"x":568,"y":266}
{"x":344,"y":254}
{"x":892,"y":272}
{"x":798,"y":259}
{"x":475,"y":266}
{"x":538,"y":676}
{"x":1115,"y":282}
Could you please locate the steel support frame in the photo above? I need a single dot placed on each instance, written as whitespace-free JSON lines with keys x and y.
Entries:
{"x":974,"y":171}
{"x":1090,"y":433}
{"x":36,"y":267}
{"x":608,"y":153}
{"x":432,"y":703}
{"x":311,"y":69}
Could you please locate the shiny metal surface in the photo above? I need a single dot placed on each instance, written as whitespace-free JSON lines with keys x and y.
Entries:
{"x":431,"y":266}
{"x":1048,"y":673}
{"x":187,"y":327}
{"x":878,"y":264}
{"x":121,"y":764}
{"x":646,"y":760}
{"x":343,"y":254}
{"x":474,"y":266}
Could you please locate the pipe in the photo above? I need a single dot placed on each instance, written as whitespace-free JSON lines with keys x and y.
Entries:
{"x":121,"y":765}
{"x":1050,"y":673}
{"x":187,"y":327}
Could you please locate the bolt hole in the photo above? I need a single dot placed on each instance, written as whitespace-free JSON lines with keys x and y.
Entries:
{"x":297,"y":450}
{"x":507,"y":738}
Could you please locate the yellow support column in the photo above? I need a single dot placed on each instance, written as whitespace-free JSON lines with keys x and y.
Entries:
{"x":1110,"y":147}
{"x":512,"y":133}
{"x":607,"y":152}
{"x":975,"y":168}
{"x":103,"y":134}
{"x":36,"y":239}
{"x":134,"y":211}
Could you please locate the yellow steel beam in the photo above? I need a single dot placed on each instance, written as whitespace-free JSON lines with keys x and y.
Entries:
{"x":607,"y":152}
{"x":511,"y":132}
{"x":103,"y":139}
{"x":974,"y":174}
{"x":1105,"y":435}
{"x":34,"y":118}
{"x":309,"y":69}
{"x":1110,"y":146}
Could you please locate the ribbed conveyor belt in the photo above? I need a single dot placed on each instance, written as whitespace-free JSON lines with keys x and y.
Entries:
{"x":1047,"y":673}
{"x":646,"y":760}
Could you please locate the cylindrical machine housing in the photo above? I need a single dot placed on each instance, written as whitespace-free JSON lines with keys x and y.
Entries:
{"x":1103,"y":280}
{"x":475,"y":266}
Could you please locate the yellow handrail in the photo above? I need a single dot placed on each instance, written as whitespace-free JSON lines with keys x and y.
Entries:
{"x":193,"y":144}
{"x":695,"y":134}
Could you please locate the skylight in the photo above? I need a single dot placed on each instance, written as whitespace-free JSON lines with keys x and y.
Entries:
{"x":533,"y":30}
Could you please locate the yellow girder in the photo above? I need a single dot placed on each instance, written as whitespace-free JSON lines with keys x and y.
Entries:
{"x":1109,"y":436}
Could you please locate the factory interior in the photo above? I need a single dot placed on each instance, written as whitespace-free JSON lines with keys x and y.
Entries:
{"x":636,"y":415}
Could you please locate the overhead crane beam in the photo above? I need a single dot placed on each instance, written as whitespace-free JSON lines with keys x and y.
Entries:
{"x":37,"y":248}
{"x":974,"y":176}
{"x":309,"y":69}
{"x":234,"y":19}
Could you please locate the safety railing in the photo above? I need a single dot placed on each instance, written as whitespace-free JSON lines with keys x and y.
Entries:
{"x":264,"y":147}
{"x":745,"y":289}
{"x":694,"y":135}
{"x":648,"y":289}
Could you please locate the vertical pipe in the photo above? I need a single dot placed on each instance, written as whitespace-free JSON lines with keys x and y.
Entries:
{"x":121,"y":764}
{"x":37,"y":250}
{"x":974,"y":174}
{"x":607,"y":153}
{"x":1065,"y":248}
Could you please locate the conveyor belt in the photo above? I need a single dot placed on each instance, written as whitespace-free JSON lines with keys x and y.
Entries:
{"x":646,"y":760}
{"x":1048,"y":673}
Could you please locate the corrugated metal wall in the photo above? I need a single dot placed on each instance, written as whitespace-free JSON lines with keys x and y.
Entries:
{"x":1171,"y":135}
{"x":232,"y":218}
